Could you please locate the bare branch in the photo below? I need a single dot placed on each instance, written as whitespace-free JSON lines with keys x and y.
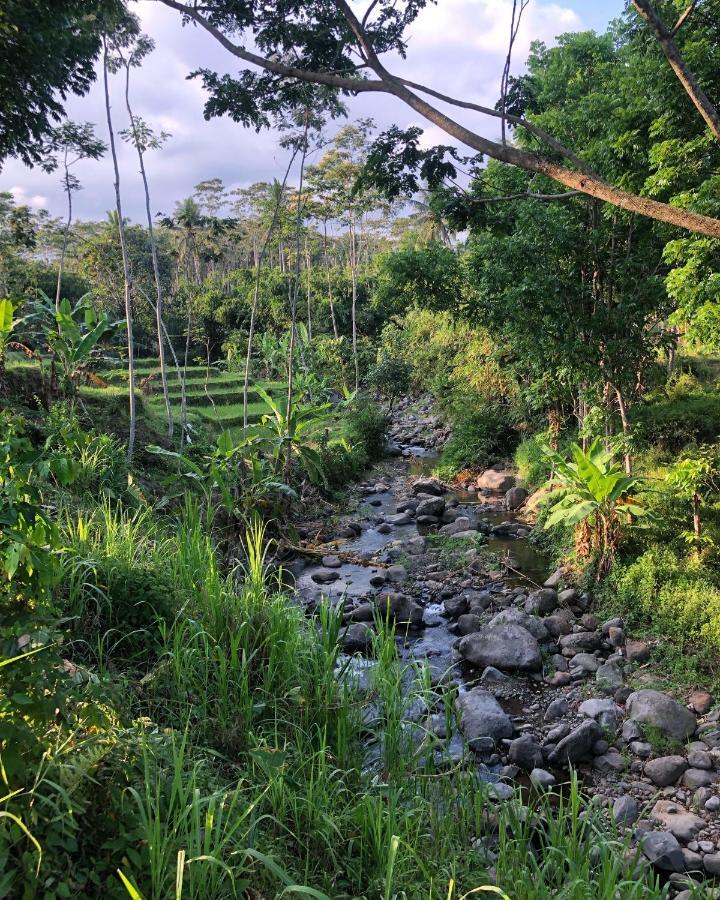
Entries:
{"x":678,"y":65}
{"x":528,"y":195}
{"x":531,"y":162}
{"x":683,"y":18}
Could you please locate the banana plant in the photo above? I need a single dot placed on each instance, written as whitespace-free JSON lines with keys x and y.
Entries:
{"x":288,"y":434}
{"x":73,"y":335}
{"x":591,"y":493}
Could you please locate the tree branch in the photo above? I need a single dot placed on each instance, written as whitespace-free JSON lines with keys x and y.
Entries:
{"x":531,"y":162}
{"x":683,"y":18}
{"x":677,"y":63}
{"x":528,"y":195}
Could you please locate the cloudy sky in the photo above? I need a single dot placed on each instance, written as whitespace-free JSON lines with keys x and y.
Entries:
{"x":456,"y":46}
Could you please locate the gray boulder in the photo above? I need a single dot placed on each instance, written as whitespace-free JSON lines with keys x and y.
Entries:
{"x":498,"y":482}
{"x":662,"y":712}
{"x":433,"y":506}
{"x":427,"y":486}
{"x":357,"y":638}
{"x":507,"y":647}
{"x":515,"y":497}
{"x":402,"y":608}
{"x":481,"y":716}
{"x":626,"y":810}
{"x":514,"y":616}
{"x":526,"y":753}
{"x":663,"y":851}
{"x":665,"y":770}
{"x":578,"y":744}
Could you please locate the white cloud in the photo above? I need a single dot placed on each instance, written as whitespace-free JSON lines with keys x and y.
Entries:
{"x":456,"y":46}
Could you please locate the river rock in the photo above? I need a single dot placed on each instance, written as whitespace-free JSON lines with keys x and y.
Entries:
{"x":662,"y":712}
{"x":610,"y":676}
{"x":578,"y":744}
{"x":515,"y":497}
{"x":626,"y":810}
{"x":497,"y":482}
{"x":514,"y":616}
{"x":637,"y":651}
{"x":427,"y":486}
{"x":331,"y":562}
{"x":525,"y":752}
{"x":504,"y":646}
{"x":557,"y":709}
{"x":357,"y":637}
{"x":697,"y":778}
{"x":468,"y":623}
{"x":325,"y":576}
{"x":432,"y":506}
{"x":663,"y":851}
{"x":481,"y":716}
{"x":461,"y":523}
{"x":455,"y":606}
{"x":579,"y":641}
{"x":700,"y":701}
{"x":396,"y":574}
{"x":541,"y":778}
{"x":585,"y":662}
{"x":402,"y":608}
{"x":402,"y":518}
{"x":665,"y":770}
{"x":684,"y":825}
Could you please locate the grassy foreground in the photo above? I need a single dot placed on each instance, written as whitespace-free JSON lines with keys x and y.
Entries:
{"x":213,"y":743}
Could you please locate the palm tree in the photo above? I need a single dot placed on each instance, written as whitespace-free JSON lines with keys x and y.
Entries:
{"x":430,"y":218}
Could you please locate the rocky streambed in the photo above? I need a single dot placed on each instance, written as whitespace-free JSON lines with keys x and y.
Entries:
{"x":542,"y":686}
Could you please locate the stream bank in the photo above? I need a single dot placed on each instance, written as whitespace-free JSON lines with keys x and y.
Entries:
{"x":540,"y":685}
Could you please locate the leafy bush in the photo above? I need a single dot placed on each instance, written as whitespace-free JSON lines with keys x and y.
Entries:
{"x":531,"y":462}
{"x":669,"y":593}
{"x":390,"y":376}
{"x":366,"y":424}
{"x":481,"y":435}
{"x":683,"y":414}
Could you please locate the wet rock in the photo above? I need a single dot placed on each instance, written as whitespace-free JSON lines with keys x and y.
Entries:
{"x":507,"y":647}
{"x":514,"y":616}
{"x":663,"y":851}
{"x":468,"y":623}
{"x":578,"y":744}
{"x":363,"y":612}
{"x":325,"y":576}
{"x":497,"y":482}
{"x":525,"y":752}
{"x":558,"y":709}
{"x":460,"y":524}
{"x":427,"y":486}
{"x":481,"y":716}
{"x":684,"y":825}
{"x":515,"y":497}
{"x":331,"y":562}
{"x":654,"y":708}
{"x":378,"y":579}
{"x":402,"y":608}
{"x":357,"y":638}
{"x":626,"y":810}
{"x":384,"y":528}
{"x":455,"y":606}
{"x":541,"y":778}
{"x":396,"y":574}
{"x":700,"y":701}
{"x":402,"y":518}
{"x":432,"y":506}
{"x":665,"y":770}
{"x":711,"y":862}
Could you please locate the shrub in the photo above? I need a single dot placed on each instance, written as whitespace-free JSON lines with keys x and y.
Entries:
{"x":366,"y":424}
{"x":684,"y":414}
{"x":481,"y":435}
{"x":673,"y":595}
{"x":532,"y":464}
{"x":122,"y":600}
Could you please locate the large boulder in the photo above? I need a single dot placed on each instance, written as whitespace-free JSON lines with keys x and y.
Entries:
{"x":662,"y":712}
{"x":357,"y":637}
{"x":402,"y":608}
{"x":497,"y":482}
{"x":431,"y":506}
{"x":663,"y":851}
{"x":665,"y":770}
{"x":507,"y":646}
{"x":428,"y":485}
{"x":514,"y":616}
{"x":481,"y":716}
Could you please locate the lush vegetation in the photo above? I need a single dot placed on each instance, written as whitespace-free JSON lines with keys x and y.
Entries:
{"x":178,"y":396}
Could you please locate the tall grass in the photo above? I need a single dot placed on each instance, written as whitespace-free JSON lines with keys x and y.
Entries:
{"x":240,"y":757}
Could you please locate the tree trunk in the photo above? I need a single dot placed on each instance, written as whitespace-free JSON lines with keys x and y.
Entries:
{"x":696,"y":516}
{"x":125,"y":260}
{"x":155,"y":264}
{"x":622,"y":409}
{"x":353,"y":273}
{"x":66,"y":232}
{"x":329,"y":281}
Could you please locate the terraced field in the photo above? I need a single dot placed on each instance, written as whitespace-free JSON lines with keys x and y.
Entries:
{"x":213,"y":398}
